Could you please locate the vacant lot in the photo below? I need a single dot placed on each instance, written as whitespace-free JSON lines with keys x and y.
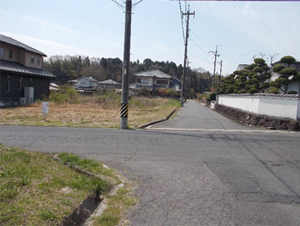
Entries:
{"x":91,"y":111}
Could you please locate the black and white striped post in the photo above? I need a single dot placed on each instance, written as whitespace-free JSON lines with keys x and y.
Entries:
{"x":125,"y":71}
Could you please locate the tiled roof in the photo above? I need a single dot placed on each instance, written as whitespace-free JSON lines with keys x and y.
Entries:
{"x":110,"y":81}
{"x":264,"y":95}
{"x":153,"y":74}
{"x":19,"y":68}
{"x":14,"y":42}
{"x":90,"y":79}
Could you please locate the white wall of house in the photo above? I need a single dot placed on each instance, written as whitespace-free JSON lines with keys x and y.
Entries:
{"x":275,"y":106}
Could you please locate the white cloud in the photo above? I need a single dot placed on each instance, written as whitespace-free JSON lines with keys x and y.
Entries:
{"x":248,"y":11}
{"x":48,"y":25}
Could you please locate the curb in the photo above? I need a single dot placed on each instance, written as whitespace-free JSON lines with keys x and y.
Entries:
{"x":158,"y":121}
{"x":103,"y":205}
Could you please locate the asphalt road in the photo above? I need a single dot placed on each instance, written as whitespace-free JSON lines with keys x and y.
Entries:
{"x":198,"y":169}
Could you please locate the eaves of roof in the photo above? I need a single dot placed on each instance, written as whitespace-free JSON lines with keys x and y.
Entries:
{"x":14,"y":42}
{"x":109,"y":82}
{"x":153,"y":74}
{"x":15,"y":67}
{"x":89,"y":79}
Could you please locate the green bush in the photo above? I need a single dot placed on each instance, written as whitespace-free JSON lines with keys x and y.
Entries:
{"x":273,"y":90}
{"x":144,"y":92}
{"x":66,"y":94}
{"x":171,"y":93}
{"x":292,"y":92}
{"x":252,"y":90}
{"x":242,"y":91}
{"x":211,"y":96}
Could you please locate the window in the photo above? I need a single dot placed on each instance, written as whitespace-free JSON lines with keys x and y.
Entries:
{"x":10,"y":54}
{"x":32,"y":59}
{"x":144,"y":81}
{"x":38,"y":61}
{"x":1,"y":52}
{"x":7,"y":86}
{"x":19,"y":84}
{"x":162,"y":82}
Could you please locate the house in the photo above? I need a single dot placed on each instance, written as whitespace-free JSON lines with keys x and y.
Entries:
{"x":53,"y":87}
{"x":109,"y":85}
{"x":175,"y":84}
{"x":241,"y":67}
{"x":23,"y":79}
{"x":72,"y":83}
{"x":293,"y":85}
{"x":87,"y":84}
{"x":155,"y":79}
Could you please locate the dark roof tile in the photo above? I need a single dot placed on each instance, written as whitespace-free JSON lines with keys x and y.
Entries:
{"x":19,"y":68}
{"x":14,"y":42}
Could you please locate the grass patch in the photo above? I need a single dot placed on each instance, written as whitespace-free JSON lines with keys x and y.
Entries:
{"x":37,"y":190}
{"x":99,"y":111}
{"x":118,"y":204}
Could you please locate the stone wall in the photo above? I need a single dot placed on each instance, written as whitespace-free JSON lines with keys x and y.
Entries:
{"x":252,"y":119}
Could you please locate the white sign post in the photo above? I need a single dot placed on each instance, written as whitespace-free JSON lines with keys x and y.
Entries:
{"x":45,"y":109}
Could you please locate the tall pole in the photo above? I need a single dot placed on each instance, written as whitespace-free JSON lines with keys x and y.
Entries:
{"x":220,"y":74}
{"x":125,"y":71}
{"x":213,"y":80}
{"x":183,"y":88}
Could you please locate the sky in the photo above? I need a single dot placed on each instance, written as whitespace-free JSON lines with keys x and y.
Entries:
{"x":240,"y":30}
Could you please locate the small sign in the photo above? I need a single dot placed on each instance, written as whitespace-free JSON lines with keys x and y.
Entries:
{"x":45,"y":109}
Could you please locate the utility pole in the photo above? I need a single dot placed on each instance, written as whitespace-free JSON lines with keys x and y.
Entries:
{"x":216,"y":55}
{"x":183,"y":88}
{"x":125,"y":71}
{"x":220,"y":74}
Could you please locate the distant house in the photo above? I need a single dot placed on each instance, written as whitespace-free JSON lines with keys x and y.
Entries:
{"x":109,"y":85}
{"x":73,"y":83}
{"x":87,"y":84}
{"x":155,"y":79}
{"x":241,"y":67}
{"x":53,"y":86}
{"x":23,"y":79}
{"x":175,"y":84}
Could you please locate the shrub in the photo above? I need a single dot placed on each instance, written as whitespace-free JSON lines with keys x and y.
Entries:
{"x":252,"y":90}
{"x":242,"y":91}
{"x":273,"y":90}
{"x":162,"y":92}
{"x":144,"y":92}
{"x":66,"y":94}
{"x":171,"y":93}
{"x":292,"y":92}
{"x":211,"y":96}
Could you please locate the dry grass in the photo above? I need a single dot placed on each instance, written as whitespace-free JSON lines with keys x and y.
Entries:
{"x":90,"y":113}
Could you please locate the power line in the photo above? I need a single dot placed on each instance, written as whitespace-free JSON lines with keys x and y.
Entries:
{"x":181,"y":15}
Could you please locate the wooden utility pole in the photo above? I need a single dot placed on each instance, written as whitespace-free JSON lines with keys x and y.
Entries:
{"x":220,"y":74}
{"x":184,"y":88}
{"x":125,"y":71}
{"x":216,"y":55}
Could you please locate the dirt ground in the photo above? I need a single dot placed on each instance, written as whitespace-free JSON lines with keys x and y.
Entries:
{"x":141,"y":111}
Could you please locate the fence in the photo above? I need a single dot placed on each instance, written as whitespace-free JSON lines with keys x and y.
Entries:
{"x":273,"y":105}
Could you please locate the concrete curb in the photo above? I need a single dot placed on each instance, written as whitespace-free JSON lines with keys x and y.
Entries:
{"x":158,"y":121}
{"x":103,"y":205}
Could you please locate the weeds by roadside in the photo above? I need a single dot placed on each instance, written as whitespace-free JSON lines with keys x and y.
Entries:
{"x":37,"y":190}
